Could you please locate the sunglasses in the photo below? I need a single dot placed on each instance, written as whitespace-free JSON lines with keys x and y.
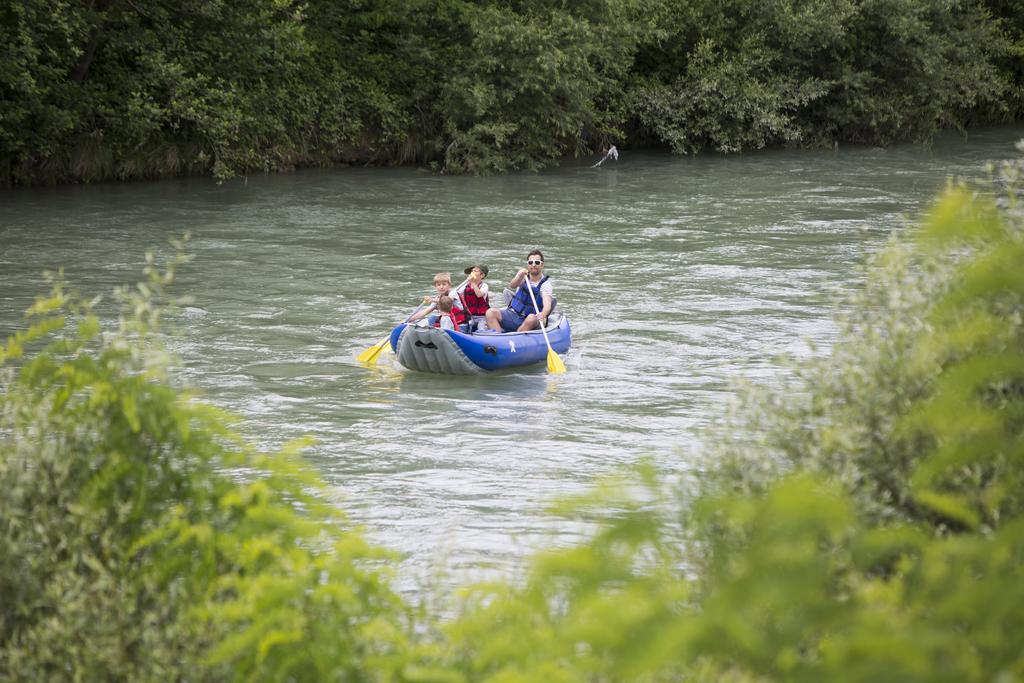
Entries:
{"x":534,"y":263}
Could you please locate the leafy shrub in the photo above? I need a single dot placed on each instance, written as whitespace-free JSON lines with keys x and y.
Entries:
{"x":528,"y":89}
{"x":726,"y":102}
{"x":126,"y":550}
{"x":115,"y":89}
{"x":884,"y":539}
{"x":871,"y":413}
{"x":934,"y":66}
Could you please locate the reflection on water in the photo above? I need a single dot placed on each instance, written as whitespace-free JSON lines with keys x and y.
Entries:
{"x":680,"y":275}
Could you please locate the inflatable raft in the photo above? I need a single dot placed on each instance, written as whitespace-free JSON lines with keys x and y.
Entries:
{"x":431,"y":349}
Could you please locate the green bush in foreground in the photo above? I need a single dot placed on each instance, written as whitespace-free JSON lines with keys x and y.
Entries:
{"x":873,"y":531}
{"x":126,"y":554}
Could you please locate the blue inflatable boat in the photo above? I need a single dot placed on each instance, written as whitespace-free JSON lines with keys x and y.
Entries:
{"x":431,"y":349}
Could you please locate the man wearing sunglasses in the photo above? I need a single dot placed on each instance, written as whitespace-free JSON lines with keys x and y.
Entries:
{"x":520,"y":314}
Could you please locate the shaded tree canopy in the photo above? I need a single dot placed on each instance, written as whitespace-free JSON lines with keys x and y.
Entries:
{"x":122,"y":89}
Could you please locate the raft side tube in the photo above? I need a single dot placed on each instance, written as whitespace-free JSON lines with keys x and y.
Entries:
{"x":496,"y":351}
{"x":430,"y":349}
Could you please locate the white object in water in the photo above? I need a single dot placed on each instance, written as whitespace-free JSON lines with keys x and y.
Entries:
{"x":612,"y":154}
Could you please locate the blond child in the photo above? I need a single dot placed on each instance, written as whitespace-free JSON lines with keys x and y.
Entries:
{"x":443,"y":287}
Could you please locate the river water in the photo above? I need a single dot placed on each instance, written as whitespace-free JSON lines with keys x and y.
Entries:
{"x":680,"y":276}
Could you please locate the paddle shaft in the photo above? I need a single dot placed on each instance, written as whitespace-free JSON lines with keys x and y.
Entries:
{"x":529,"y":288}
{"x":456,"y":291}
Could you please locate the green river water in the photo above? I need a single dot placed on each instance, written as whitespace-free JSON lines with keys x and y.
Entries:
{"x":680,"y":276}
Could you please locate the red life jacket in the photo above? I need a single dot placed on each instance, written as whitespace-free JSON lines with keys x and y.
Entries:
{"x":475,"y":305}
{"x":446,"y":315}
{"x":457,"y":315}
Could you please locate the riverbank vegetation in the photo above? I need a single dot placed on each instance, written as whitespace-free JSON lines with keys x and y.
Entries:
{"x":121,"y":89}
{"x":863,"y":523}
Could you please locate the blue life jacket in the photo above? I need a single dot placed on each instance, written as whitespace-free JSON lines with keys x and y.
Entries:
{"x":521,"y":302}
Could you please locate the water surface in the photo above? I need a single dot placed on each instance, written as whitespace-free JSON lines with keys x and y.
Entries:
{"x":680,"y":276}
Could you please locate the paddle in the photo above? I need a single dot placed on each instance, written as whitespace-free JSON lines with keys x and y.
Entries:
{"x":555,"y":364}
{"x":370,"y":355}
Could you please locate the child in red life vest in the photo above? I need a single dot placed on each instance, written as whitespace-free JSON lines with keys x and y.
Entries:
{"x":447,"y":319}
{"x":475,"y":296}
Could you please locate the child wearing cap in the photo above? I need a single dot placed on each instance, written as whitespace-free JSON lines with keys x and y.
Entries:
{"x":475,"y":296}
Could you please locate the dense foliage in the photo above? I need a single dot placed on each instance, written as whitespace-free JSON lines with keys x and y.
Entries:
{"x":121,"y":89}
{"x":126,"y":550}
{"x":868,"y":527}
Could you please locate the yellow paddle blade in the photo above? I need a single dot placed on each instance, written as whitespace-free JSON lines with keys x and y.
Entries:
{"x":369,"y":356}
{"x":555,"y":364}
